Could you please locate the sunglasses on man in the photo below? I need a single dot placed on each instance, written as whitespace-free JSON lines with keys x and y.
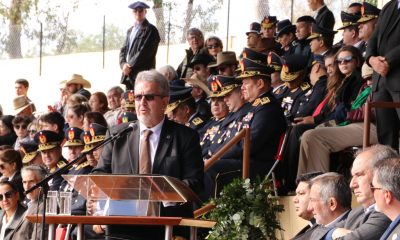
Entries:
{"x":7,"y":195}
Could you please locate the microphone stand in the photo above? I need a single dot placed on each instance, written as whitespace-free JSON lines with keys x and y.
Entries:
{"x":44,"y":182}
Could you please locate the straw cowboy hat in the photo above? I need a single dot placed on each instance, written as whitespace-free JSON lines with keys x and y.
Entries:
{"x":196,"y":80}
{"x":21,"y":103}
{"x":78,"y":79}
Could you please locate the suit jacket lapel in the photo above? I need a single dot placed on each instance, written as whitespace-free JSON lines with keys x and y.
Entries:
{"x":385,"y":19}
{"x":163,"y":146}
{"x":134,"y":139}
{"x":397,"y":19}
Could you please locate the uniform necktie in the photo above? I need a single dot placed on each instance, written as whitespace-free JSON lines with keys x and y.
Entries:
{"x":145,"y":161}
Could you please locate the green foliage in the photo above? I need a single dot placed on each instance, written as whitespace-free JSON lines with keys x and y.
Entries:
{"x":245,"y":210}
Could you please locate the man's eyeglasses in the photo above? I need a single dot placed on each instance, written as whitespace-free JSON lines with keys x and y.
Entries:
{"x":139,"y":10}
{"x":147,"y":97}
{"x":212,"y":46}
{"x":7,"y":195}
{"x":374,"y":188}
{"x":344,"y":60}
{"x":20,"y":126}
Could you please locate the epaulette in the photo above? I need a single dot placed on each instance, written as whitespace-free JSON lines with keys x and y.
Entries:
{"x":197,"y":121}
{"x":61,"y":164}
{"x":261,"y":101}
{"x":305,"y":85}
{"x":82,"y":165}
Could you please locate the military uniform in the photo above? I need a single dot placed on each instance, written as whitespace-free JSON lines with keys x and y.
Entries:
{"x":369,"y":12}
{"x":286,"y":27}
{"x":291,"y":102}
{"x":311,"y":99}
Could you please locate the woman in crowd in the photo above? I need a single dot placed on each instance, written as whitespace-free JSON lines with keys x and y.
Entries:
{"x":13,"y":212}
{"x":7,"y":134}
{"x":32,"y":129}
{"x":214,"y":46}
{"x":93,"y":117}
{"x":10,"y":168}
{"x":75,"y":114}
{"x":98,"y":102}
{"x":20,"y":124}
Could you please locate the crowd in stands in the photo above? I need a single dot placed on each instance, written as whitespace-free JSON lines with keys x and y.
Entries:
{"x":291,"y":79}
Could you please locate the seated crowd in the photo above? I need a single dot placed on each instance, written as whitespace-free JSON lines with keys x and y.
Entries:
{"x":291,"y":80}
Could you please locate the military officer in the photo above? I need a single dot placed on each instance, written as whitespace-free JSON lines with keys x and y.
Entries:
{"x":49,"y":146}
{"x":31,"y":154}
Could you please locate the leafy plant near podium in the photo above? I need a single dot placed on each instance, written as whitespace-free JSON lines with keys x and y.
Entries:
{"x":245,"y":210}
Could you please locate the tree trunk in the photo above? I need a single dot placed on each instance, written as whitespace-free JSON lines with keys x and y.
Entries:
{"x":13,"y":47}
{"x":158,"y":10}
{"x":188,"y":20}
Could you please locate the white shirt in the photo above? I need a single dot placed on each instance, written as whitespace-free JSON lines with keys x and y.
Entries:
{"x":5,"y":225}
{"x":338,"y":219}
{"x":154,"y":138}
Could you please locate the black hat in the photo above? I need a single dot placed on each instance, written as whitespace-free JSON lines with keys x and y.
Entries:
{"x":97,"y":132}
{"x":250,"y":68}
{"x":128,"y":117}
{"x":254,"y":55}
{"x":177,"y":96}
{"x":73,"y":137}
{"x":285,"y":26}
{"x":7,"y":120}
{"x":268,"y":22}
{"x":306,"y":18}
{"x":368,"y":12}
{"x":201,"y":58}
{"x":222,"y":85}
{"x":318,"y":31}
{"x":129,"y":97}
{"x":274,"y":61}
{"x":138,"y":4}
{"x":348,"y":20}
{"x":293,"y":66}
{"x":255,"y":27}
{"x":29,"y":148}
{"x":47,"y":140}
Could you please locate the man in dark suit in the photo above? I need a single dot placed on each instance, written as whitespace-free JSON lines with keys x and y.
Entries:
{"x":140,"y":47}
{"x":301,"y":202}
{"x":383,"y":55}
{"x":385,"y":186}
{"x":172,"y":150}
{"x":324,"y":17}
{"x":364,"y":222}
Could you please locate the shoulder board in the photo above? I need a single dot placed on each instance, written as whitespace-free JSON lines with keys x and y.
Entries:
{"x":61,"y":164}
{"x":197,"y":121}
{"x":82,"y":165}
{"x":304,"y":86}
{"x":265,"y":100}
{"x":256,"y":102}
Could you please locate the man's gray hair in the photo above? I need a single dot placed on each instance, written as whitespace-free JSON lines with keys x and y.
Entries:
{"x":387,"y":172}
{"x":155,"y":77}
{"x":40,"y":171}
{"x":334,"y":185}
{"x":117,"y":89}
{"x":378,"y":152}
{"x":168,"y":70}
{"x":195,"y":31}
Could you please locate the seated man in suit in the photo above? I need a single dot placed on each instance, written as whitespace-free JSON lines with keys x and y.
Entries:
{"x":385,"y":187}
{"x":301,"y":202}
{"x":330,"y":202}
{"x":364,"y":222}
{"x":156,"y":145}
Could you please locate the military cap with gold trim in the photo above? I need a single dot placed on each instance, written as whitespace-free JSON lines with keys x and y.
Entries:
{"x":178,"y":95}
{"x":250,"y":68}
{"x":223,"y":85}
{"x":293,"y":66}
{"x":30,"y":150}
{"x":318,"y":31}
{"x":86,"y":138}
{"x":128,"y":117}
{"x":47,"y":140}
{"x":274,"y":61}
{"x":255,"y":56}
{"x":348,"y":20}
{"x":268,"y":22}
{"x":73,"y":137}
{"x":129,"y":97}
{"x":368,"y":12}
{"x":97,"y":132}
{"x":255,"y":27}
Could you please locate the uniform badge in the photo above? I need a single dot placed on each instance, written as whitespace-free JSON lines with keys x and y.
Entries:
{"x":131,"y":96}
{"x":197,"y":121}
{"x":304,"y":86}
{"x":256,"y":102}
{"x":71,"y":134}
{"x":86,"y":138}
{"x":42,"y":138}
{"x":265,"y":100}
{"x":92,"y":132}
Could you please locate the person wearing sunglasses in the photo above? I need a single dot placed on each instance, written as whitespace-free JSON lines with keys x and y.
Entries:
{"x":10,"y":168}
{"x":20,"y":124}
{"x":214,"y":46}
{"x":32,"y":128}
{"x":167,"y":148}
{"x":12,"y":211}
{"x":7,"y":134}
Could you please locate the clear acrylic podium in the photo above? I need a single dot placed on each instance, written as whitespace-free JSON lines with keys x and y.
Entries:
{"x":131,"y":195}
